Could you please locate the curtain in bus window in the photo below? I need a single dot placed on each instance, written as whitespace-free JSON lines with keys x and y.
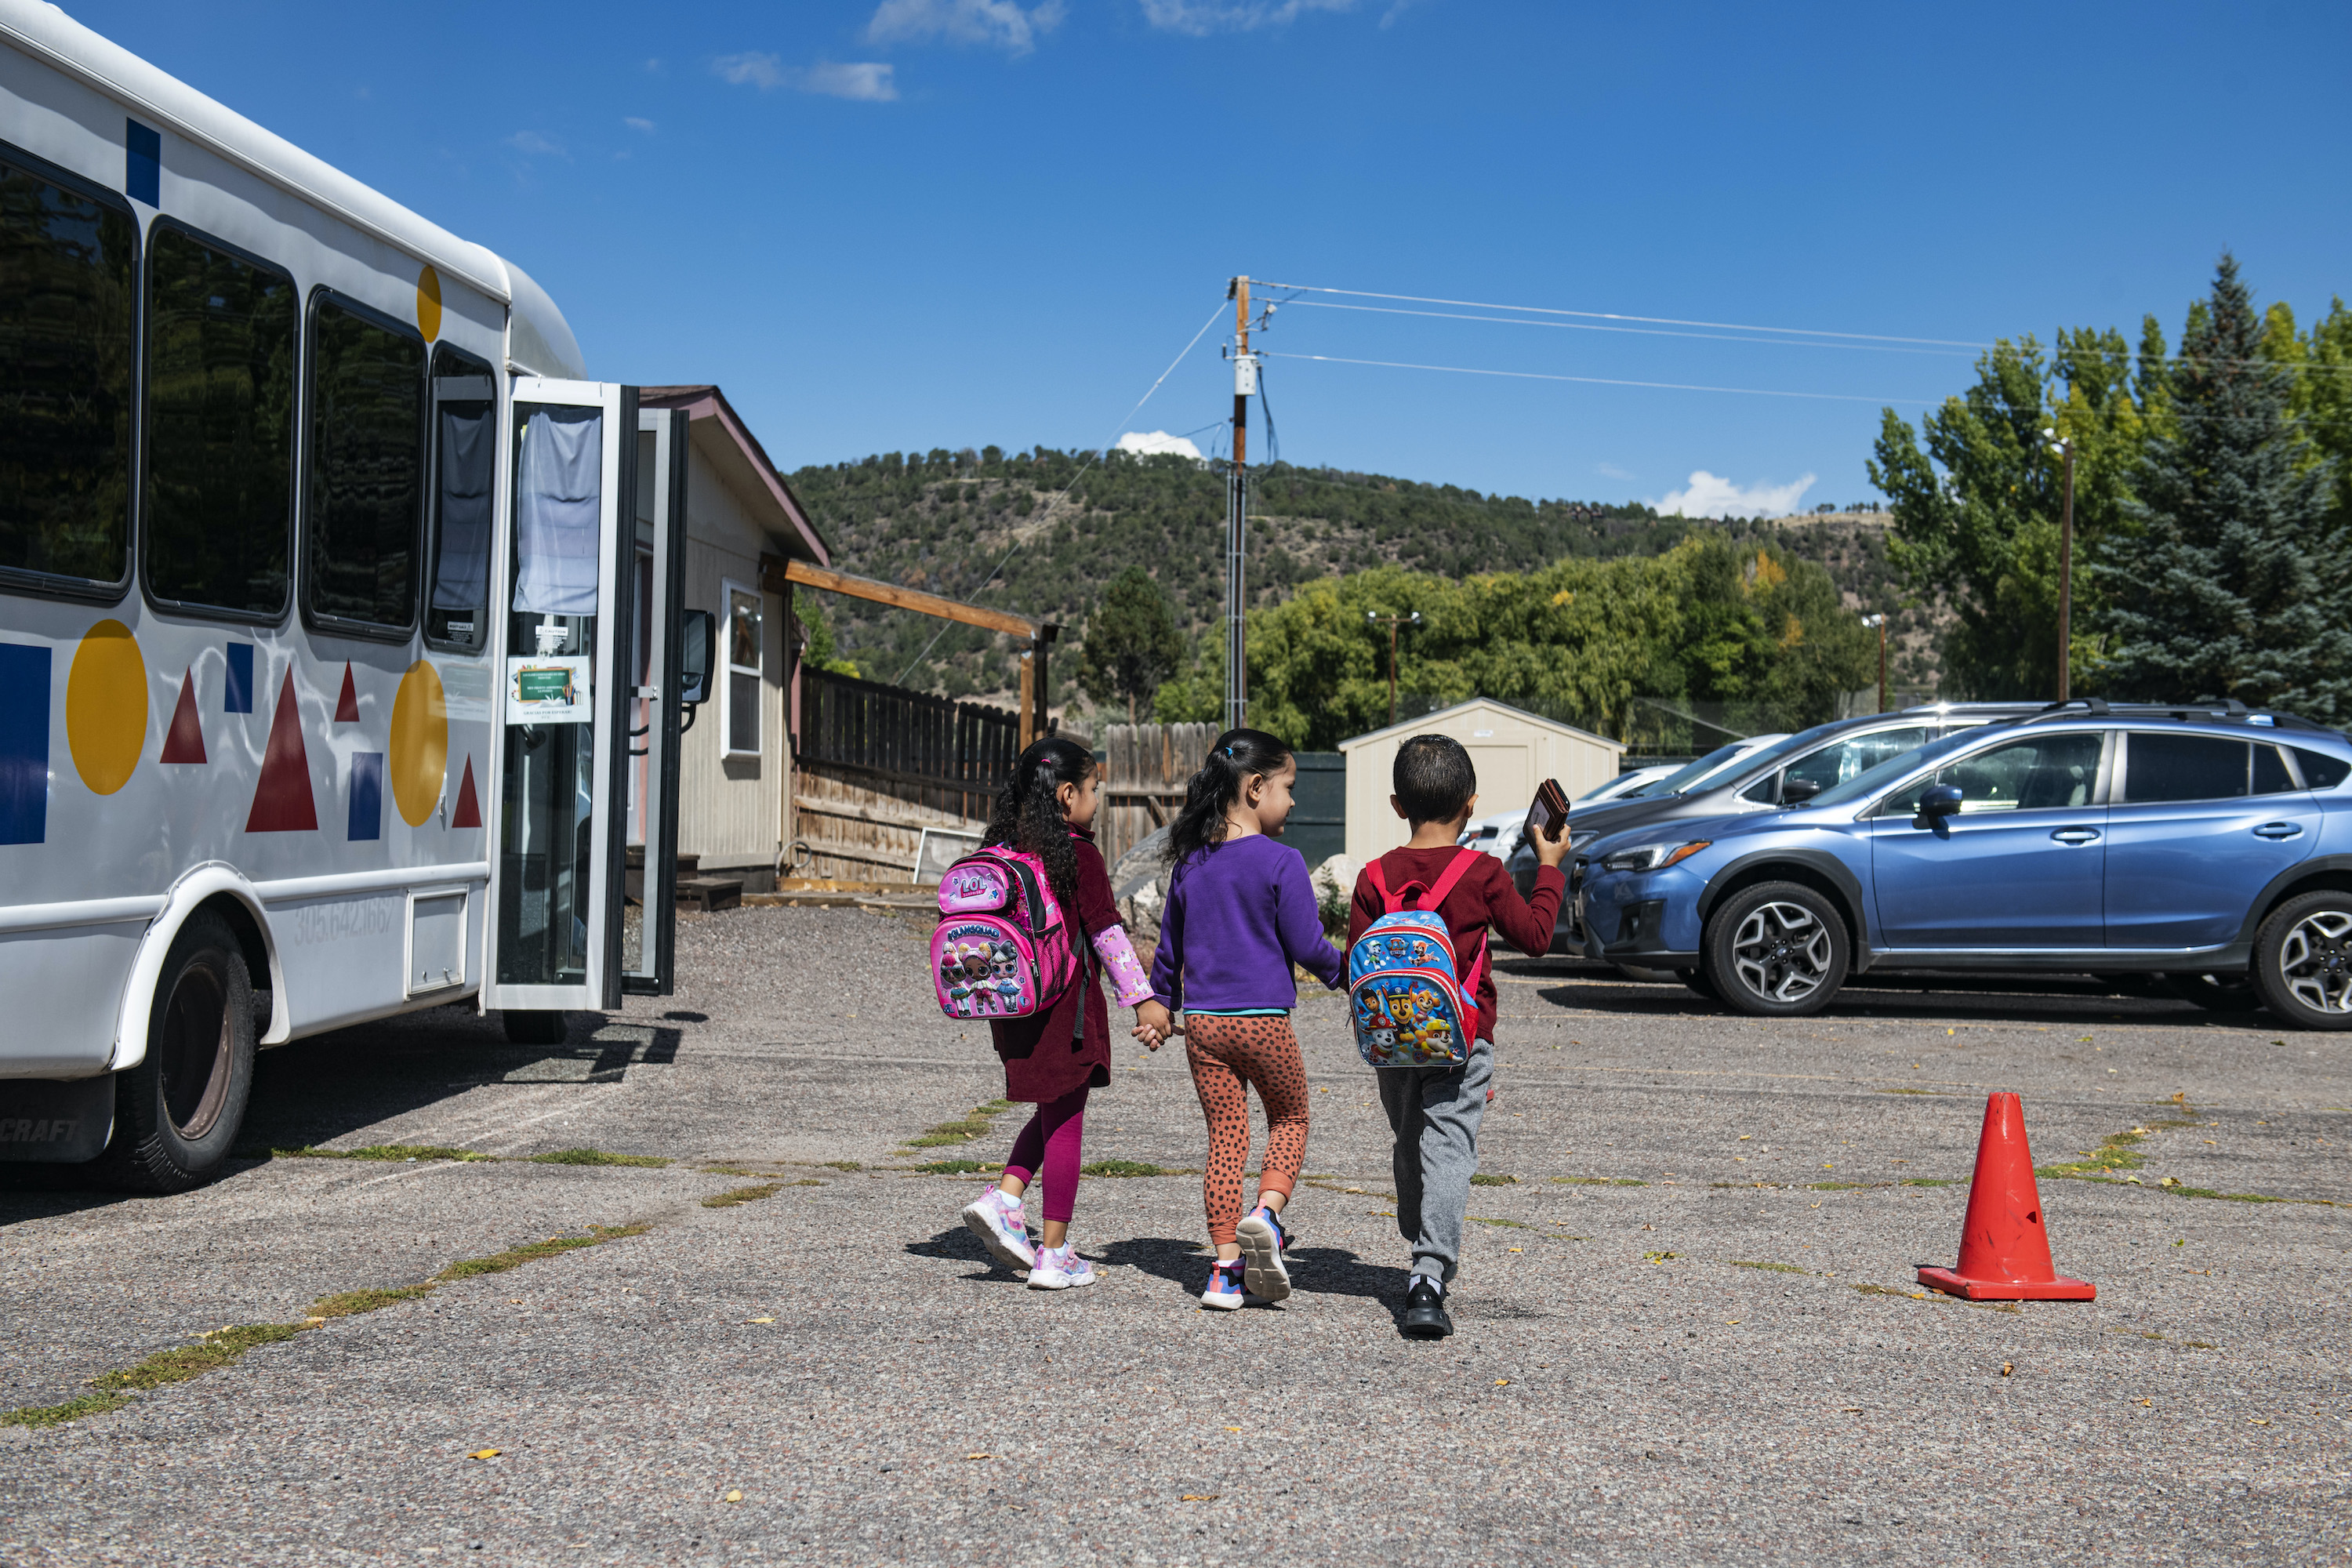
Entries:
{"x":366,"y":469}
{"x":220,"y":426}
{"x":66,"y":308}
{"x":461,"y":574}
{"x":556,"y":514}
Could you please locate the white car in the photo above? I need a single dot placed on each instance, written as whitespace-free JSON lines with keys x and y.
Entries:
{"x":1625,"y":782}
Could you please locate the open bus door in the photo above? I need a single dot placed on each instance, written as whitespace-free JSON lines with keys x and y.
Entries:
{"x":568,"y":702}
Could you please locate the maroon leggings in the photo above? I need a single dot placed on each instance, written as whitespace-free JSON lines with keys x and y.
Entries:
{"x":1048,"y":1145}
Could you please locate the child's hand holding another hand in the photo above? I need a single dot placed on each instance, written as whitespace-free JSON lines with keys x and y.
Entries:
{"x":1153,"y":1022}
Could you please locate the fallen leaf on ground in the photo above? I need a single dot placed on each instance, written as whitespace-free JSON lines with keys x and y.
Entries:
{"x":2005,"y":1369}
{"x":2258,"y":1420}
{"x":1202,"y":1497}
{"x":735,"y":1496}
{"x":2149,"y":1402}
{"x":1233,"y":1428}
{"x":1514,"y":1249}
{"x":1730,"y":1323}
{"x":762,"y":1320}
{"x":483,"y":1454}
{"x":1502,"y":1383}
{"x":980,"y":1456}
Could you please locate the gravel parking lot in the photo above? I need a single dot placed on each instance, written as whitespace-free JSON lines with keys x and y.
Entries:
{"x":1690,"y":1329}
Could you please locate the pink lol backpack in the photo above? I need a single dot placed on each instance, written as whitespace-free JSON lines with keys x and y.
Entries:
{"x":1002,"y":949}
{"x":1409,"y":1011}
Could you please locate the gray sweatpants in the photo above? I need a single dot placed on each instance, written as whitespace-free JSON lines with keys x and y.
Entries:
{"x":1435,"y":1113}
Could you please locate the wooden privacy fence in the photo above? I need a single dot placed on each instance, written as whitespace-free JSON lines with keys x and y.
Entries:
{"x":1144,"y":770}
{"x":876,"y":765}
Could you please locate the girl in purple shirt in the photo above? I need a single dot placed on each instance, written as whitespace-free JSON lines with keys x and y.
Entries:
{"x":1240,"y":912}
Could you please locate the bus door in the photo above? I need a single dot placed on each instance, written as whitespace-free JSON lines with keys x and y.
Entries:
{"x":565,"y":699}
{"x":657,"y":600}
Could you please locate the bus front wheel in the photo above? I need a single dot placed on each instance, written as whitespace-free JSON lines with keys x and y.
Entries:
{"x":178,"y":1112}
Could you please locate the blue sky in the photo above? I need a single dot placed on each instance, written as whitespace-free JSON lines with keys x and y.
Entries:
{"x":945,"y":223}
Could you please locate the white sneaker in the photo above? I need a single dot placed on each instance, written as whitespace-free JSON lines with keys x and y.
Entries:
{"x":1264,"y":1272}
{"x":1224,"y":1293}
{"x":1059,"y":1268}
{"x":1000,"y":1229}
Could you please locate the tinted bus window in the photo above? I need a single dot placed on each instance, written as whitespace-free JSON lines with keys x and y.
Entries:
{"x":465,"y":465}
{"x":220,"y":426}
{"x":365,"y":478}
{"x":66,"y":315}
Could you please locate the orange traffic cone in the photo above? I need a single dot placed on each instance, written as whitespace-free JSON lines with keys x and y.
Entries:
{"x":2004,"y":1248}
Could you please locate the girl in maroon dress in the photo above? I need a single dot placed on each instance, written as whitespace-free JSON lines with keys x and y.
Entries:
{"x":1053,"y":1058}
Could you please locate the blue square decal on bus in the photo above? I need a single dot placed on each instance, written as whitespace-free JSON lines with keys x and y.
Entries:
{"x":142,"y":173}
{"x":237,"y":695}
{"x":367,"y":795}
{"x":24,"y":743}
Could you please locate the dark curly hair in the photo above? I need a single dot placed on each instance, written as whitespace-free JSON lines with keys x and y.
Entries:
{"x":1028,"y":816}
{"x":1238,"y":756}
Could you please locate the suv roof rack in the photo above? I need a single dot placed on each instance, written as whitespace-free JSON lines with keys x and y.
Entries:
{"x":2224,"y":710}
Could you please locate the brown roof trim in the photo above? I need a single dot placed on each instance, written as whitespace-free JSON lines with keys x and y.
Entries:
{"x":710,"y":403}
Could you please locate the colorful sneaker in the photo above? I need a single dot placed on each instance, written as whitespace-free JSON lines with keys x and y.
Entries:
{"x":1059,"y":1268}
{"x":1225,"y":1291}
{"x":1264,"y":1272}
{"x":1000,"y":1229}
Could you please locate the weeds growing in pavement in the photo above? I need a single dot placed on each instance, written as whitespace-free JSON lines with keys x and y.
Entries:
{"x":516,"y":1257}
{"x":1131,"y":1168}
{"x":1507,"y":1224}
{"x":353,"y":1303}
{"x":727,"y":1200}
{"x":1775,"y":1268}
{"x":391,"y":1152}
{"x":1483,"y":1179}
{"x":58,"y":1414}
{"x":953,"y":1168}
{"x":598,"y":1157}
{"x":1600,"y":1182}
{"x":839,"y":1165}
{"x":216,"y":1348}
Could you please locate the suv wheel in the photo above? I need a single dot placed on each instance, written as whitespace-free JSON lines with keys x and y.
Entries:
{"x":1775,"y":950}
{"x":2303,"y":961}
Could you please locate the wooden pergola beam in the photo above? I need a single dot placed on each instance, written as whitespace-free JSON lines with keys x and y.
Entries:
{"x":778,"y":576}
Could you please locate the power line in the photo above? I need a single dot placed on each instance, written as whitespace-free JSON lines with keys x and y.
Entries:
{"x":1647,"y":320}
{"x":1048,"y":509}
{"x":1640,"y":331}
{"x":1603,"y":380}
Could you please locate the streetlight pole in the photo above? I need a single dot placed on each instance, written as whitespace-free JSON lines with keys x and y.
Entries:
{"x":1880,"y":622}
{"x":1238,"y":511}
{"x":1396,"y":624}
{"x":2065,"y":449}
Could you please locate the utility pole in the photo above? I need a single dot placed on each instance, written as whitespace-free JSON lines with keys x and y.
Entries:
{"x":1237,"y":509}
{"x":1880,"y":622}
{"x":1396,"y":624}
{"x":2065,"y":449}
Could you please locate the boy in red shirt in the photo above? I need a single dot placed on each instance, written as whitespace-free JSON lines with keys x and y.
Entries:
{"x":1434,"y":1111}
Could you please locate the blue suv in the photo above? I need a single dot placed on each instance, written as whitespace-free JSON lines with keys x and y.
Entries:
{"x":2210,"y":848}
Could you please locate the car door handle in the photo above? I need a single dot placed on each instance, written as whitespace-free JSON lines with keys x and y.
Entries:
{"x":2279,"y":830}
{"x":2075,"y":835}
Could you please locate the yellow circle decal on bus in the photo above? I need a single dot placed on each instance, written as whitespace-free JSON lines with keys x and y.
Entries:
{"x":420,"y":744}
{"x":105,"y":707}
{"x":429,"y":303}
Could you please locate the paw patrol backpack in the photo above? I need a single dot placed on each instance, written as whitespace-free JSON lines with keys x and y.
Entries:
{"x":1409,"y":1009}
{"x":1002,"y":949}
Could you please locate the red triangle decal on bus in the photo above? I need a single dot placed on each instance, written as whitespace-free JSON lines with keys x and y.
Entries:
{"x":185,"y":742}
{"x":347,"y":706}
{"x":469,"y":805}
{"x":282,"y":802}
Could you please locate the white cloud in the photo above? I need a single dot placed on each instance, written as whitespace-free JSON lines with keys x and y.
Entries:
{"x":1708,"y":495}
{"x":1156,"y":442}
{"x":1200,"y":17}
{"x":1611,"y":471}
{"x":762,"y":71}
{"x":997,"y":22}
{"x":636,"y":123}
{"x":533,"y":143}
{"x":865,"y":81}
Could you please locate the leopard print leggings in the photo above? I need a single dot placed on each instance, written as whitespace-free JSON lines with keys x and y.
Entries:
{"x":1225,"y":1054}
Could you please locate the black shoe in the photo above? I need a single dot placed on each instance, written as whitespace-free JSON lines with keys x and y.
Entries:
{"x":1424,"y":1313}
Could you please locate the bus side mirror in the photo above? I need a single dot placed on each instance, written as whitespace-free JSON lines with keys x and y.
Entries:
{"x":1937,"y":802}
{"x":697,"y":636}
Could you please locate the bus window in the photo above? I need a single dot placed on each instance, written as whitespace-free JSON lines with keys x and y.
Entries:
{"x":65,"y":314}
{"x":220,"y":427}
{"x":465,"y":465}
{"x":364,"y":483}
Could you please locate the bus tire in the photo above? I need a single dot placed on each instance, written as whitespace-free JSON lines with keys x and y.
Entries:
{"x":534,"y":1028}
{"x":177,"y":1113}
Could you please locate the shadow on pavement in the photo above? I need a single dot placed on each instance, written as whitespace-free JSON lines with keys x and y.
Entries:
{"x":960,"y":1246}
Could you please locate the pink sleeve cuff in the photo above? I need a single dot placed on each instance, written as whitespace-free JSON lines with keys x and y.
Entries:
{"x":1127,"y":975}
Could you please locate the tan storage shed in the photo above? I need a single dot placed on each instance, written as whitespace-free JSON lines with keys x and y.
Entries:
{"x":1513,"y":751}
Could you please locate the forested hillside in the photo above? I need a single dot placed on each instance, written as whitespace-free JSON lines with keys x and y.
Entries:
{"x":943,"y":521}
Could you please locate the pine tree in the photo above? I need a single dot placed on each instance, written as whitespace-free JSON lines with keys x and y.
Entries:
{"x":1131,"y":643}
{"x":2227,"y":582}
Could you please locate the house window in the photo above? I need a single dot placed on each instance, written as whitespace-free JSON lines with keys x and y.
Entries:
{"x":745,"y":641}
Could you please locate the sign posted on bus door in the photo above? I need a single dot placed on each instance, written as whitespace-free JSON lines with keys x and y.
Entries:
{"x":552,"y":690}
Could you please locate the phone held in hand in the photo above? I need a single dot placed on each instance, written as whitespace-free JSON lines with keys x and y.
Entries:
{"x":1548,"y":814}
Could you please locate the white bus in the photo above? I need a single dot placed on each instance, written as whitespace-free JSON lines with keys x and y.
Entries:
{"x":340,"y":651}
